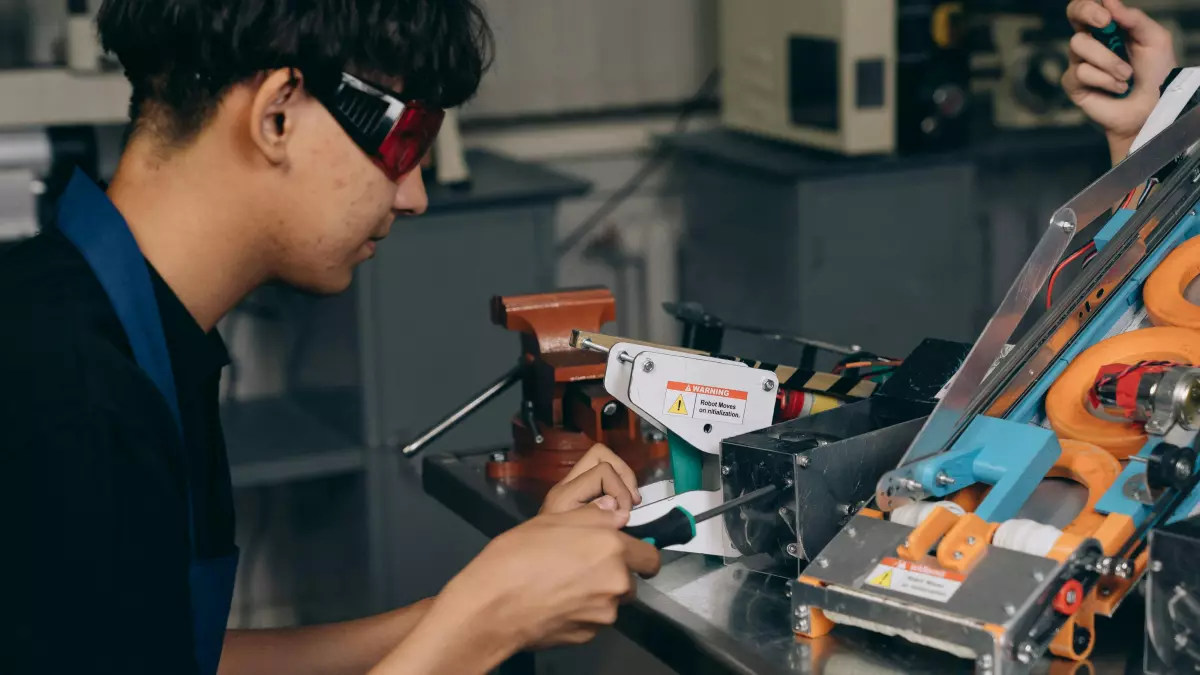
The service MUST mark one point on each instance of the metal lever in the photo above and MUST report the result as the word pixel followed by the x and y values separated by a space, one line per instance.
pixel 450 421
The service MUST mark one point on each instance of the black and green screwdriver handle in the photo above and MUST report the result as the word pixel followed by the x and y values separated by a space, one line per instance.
pixel 1116 39
pixel 678 526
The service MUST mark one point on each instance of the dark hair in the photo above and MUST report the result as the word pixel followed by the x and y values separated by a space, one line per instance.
pixel 181 56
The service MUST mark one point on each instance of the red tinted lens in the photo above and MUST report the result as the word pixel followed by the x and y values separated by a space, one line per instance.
pixel 409 140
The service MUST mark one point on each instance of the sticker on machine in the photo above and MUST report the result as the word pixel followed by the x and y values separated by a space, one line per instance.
pixel 702 402
pixel 923 581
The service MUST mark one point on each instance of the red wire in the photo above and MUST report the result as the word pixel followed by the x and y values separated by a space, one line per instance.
pixel 1054 277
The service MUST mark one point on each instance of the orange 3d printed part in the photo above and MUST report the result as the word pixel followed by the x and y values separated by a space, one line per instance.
pixel 1066 402
pixel 1164 290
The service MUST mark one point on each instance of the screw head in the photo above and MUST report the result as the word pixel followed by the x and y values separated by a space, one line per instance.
pixel 783 511
pixel 1105 591
pixel 499 457
pixel 851 532
pixel 844 509
pixel 1156 566
pixel 609 409
pixel 1184 468
pixel 985 661
pixel 1009 609
pixel 793 550
pixel 958 555
pixel 725 471
pixel 802 461
pixel 768 385
pixel 1181 640
pixel 1039 577
pixel 788 482
pixel 1025 653
pixel 822 563
pixel 970 541
pixel 802 626
pixel 647 366
pixel 801 611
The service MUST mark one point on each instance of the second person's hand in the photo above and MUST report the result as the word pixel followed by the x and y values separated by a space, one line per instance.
pixel 1096 73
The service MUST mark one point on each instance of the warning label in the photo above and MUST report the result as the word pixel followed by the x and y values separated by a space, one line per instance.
pixel 700 401
pixel 923 581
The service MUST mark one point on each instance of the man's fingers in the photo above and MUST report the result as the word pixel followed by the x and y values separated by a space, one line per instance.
pixel 627 476
pixel 1100 57
pixel 601 480
pixel 1091 76
pixel 601 454
pixel 590 517
pixel 1087 14
pixel 1141 28
pixel 641 558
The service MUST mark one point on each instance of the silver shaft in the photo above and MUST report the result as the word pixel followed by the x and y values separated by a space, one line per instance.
pixel 492 391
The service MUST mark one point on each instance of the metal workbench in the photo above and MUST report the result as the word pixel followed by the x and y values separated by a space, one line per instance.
pixel 701 616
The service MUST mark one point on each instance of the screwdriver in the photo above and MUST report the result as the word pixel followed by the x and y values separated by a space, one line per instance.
pixel 678 526
pixel 1114 37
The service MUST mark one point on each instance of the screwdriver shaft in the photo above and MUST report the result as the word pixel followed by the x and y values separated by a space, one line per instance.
pixel 734 503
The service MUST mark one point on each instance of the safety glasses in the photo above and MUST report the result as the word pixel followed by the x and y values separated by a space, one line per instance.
pixel 395 134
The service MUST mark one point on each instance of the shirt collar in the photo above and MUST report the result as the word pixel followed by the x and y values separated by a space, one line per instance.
pixel 195 353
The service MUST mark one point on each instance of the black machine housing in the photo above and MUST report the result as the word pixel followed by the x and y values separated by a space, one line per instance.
pixel 831 460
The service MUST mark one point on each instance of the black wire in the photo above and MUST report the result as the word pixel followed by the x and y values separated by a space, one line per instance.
pixel 661 153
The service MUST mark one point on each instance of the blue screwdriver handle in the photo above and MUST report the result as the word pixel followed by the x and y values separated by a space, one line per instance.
pixel 1115 38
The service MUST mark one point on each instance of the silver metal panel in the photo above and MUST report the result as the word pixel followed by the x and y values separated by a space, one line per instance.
pixel 999 580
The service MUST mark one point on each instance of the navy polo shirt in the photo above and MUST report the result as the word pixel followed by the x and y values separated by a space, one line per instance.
pixel 95 519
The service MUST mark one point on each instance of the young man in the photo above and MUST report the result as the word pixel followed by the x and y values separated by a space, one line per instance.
pixel 1095 73
pixel 271 140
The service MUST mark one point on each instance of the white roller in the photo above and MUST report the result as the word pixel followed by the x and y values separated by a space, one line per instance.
pixel 914 513
pixel 1026 536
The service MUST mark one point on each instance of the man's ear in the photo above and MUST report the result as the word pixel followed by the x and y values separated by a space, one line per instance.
pixel 273 113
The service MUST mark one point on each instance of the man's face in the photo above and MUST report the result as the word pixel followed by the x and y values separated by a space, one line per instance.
pixel 334 204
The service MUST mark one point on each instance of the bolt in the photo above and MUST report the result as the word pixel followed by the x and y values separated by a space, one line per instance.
pixel 499 457
pixel 851 532
pixel 610 409
pixel 802 462
pixel 1183 469
pixel 647 366
pixel 788 482
pixel 958 555
pixel 1071 597
pixel 802 626
pixel 822 563
pixel 1156 566
pixel 970 541
pixel 944 478
pixel 1039 577
pixel 793 550
pixel 1009 609
pixel 768 385
pixel 1025 653
pixel 801 611
pixel 1124 569
pixel 725 471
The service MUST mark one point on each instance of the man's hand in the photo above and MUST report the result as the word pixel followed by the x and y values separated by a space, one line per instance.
pixel 599 477
pixel 555 580
pixel 1095 71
